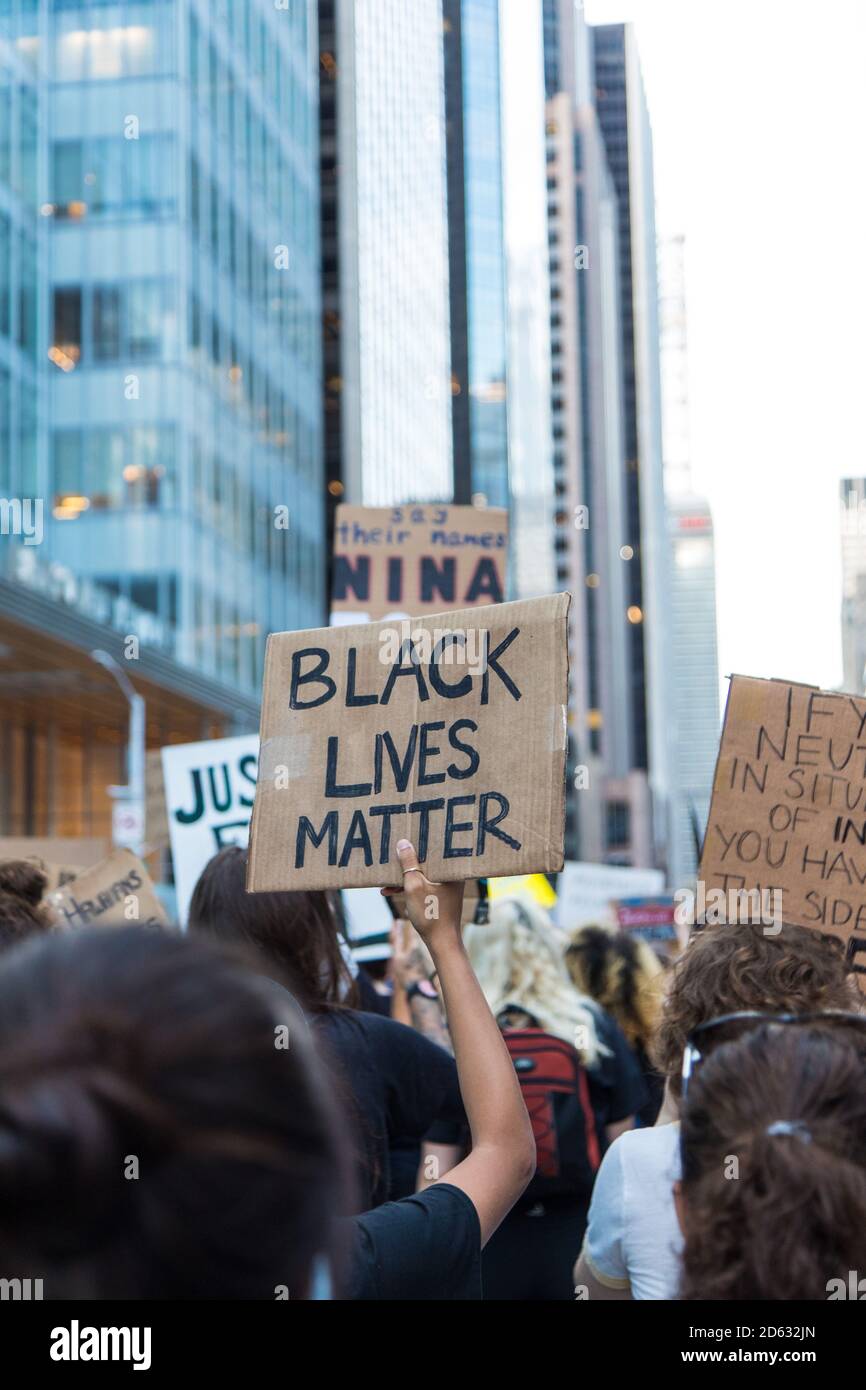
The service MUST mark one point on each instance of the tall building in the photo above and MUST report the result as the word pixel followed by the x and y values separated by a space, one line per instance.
pixel 477 256
pixel 530 440
pixel 852 513
pixel 621 104
pixel 608 806
pixel 694 648
pixel 177 361
pixel 385 252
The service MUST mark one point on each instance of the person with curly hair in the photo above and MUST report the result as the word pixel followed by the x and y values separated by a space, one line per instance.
pixel 787 1105
pixel 22 886
pixel 633 1242
pixel 625 976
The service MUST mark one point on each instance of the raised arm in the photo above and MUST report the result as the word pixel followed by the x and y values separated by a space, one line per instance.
pixel 502 1161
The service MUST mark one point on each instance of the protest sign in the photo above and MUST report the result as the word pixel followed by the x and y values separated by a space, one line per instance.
pixel 651 919
pixel 588 891
pixel 155 818
pixel 117 892
pixel 368 924
pixel 452 737
pixel 209 797
pixel 787 820
pixel 60 860
pixel 408 561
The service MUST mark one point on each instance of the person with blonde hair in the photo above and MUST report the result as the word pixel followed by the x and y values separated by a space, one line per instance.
pixel 581 1085
pixel 625 976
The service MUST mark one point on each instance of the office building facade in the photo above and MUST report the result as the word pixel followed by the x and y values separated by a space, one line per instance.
pixel 177 366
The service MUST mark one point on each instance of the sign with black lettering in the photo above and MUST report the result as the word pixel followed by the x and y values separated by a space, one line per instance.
pixel 209 791
pixel 788 815
pixel 117 892
pixel 409 561
pixel 451 734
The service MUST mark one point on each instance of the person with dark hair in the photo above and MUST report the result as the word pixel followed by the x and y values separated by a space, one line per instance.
pixel 22 885
pixel 166 1130
pixel 165 1127
pixel 772 1201
pixel 633 1244
pixel 624 975
pixel 395 1084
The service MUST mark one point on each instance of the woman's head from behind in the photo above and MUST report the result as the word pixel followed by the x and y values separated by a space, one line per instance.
pixel 773 1195
pixel 164 1131
pixel 518 957
pixel 294 935
pixel 22 885
pixel 726 969
pixel 622 974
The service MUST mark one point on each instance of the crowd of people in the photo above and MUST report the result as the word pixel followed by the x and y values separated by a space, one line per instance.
pixel 510 1110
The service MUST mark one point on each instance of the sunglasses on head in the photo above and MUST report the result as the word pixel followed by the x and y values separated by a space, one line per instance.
pixel 729 1027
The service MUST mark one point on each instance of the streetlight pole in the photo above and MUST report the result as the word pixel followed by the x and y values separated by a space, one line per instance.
pixel 133 794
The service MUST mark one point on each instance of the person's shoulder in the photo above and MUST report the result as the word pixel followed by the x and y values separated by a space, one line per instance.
pixel 658 1146
pixel 427 1245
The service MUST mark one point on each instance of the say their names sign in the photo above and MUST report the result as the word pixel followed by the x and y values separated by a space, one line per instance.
pixel 369 736
pixel 788 811
pixel 416 560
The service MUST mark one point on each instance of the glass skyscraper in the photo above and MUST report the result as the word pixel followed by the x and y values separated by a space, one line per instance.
pixel 185 450
pixel 479 329
pixel 160 375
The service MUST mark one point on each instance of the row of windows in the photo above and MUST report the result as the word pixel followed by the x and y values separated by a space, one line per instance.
pixel 129 40
pixel 247 145
pixel 132 320
pixel 18 137
pixel 113 466
pixel 225 503
pixel 263 275
pixel 17 439
pixel 111 176
pixel 18 295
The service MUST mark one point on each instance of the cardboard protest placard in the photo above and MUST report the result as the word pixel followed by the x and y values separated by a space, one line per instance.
pixel 589 891
pixel 787 819
pixel 209 791
pixel 115 893
pixel 60 860
pixel 410 561
pixel 453 737
pixel 155 818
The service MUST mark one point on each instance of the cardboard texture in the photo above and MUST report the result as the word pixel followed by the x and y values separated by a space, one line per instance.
pixel 368 737
pixel 209 800
pixel 60 860
pixel 416 560
pixel 788 810
pixel 118 892
pixel 155 818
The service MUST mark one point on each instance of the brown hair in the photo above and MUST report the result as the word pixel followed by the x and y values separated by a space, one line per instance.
pixel 727 968
pixel 789 1104
pixel 296 933
pixel 137 1045
pixel 622 974
pixel 22 884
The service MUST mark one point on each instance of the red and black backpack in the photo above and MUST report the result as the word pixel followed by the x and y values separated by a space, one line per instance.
pixel 556 1093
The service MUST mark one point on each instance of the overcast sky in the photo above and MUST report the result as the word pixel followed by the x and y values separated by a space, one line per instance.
pixel 759 117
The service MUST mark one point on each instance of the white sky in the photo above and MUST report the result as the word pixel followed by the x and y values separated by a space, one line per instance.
pixel 759 118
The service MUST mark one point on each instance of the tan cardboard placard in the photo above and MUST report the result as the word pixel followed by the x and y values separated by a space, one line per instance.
pixel 155 815
pixel 417 560
pixel 53 849
pixel 118 892
pixel 453 737
pixel 788 810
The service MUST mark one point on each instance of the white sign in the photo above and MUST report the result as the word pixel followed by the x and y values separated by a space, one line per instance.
pixel 127 824
pixel 368 923
pixel 209 790
pixel 585 891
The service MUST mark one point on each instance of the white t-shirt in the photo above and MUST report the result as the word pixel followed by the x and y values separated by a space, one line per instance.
pixel 633 1238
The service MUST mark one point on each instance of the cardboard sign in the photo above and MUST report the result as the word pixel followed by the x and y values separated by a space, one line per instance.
pixel 119 892
pixel 588 891
pixel 369 737
pixel 788 812
pixel 402 561
pixel 60 860
pixel 209 791
pixel 155 819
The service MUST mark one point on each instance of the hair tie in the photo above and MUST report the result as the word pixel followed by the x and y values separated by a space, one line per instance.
pixel 795 1128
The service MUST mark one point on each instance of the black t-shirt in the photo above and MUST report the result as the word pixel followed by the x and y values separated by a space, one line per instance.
pixel 616 1086
pixel 395 1084
pixel 424 1247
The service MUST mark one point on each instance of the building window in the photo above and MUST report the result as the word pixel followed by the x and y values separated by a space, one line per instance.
pixel 618 825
